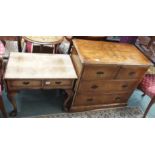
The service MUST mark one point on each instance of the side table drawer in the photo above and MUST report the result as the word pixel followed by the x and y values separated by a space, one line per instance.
pixel 58 83
pixel 24 83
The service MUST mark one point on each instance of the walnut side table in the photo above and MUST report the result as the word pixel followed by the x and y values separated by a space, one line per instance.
pixel 39 71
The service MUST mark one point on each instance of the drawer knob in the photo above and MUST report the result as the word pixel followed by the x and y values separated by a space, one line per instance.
pixel 58 82
pixel 89 99
pixel 100 73
pixel 94 87
pixel 124 86
pixel 132 73
pixel 26 82
pixel 118 98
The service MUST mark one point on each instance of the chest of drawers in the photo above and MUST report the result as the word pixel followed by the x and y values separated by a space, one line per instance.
pixel 107 73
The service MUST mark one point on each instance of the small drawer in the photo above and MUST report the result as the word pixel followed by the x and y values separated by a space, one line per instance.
pixel 97 99
pixel 121 85
pixel 128 72
pixel 57 83
pixel 24 83
pixel 99 72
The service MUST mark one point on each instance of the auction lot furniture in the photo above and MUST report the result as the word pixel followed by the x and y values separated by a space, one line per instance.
pixel 39 71
pixel 53 41
pixel 107 72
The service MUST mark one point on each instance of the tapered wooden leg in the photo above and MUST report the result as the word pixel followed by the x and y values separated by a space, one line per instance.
pixel 149 106
pixel 70 94
pixel 2 108
pixel 11 96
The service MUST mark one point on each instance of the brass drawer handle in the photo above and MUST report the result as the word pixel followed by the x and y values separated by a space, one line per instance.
pixel 26 82
pixel 58 82
pixel 100 73
pixel 132 73
pixel 118 98
pixel 94 87
pixel 89 99
pixel 124 86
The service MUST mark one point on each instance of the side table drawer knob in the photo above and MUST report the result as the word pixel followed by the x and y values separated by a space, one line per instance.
pixel 58 82
pixel 26 82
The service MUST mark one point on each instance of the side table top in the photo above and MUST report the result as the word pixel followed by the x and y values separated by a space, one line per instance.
pixel 39 66
pixel 44 39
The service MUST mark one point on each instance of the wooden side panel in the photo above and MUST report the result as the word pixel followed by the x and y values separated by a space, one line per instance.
pixel 76 61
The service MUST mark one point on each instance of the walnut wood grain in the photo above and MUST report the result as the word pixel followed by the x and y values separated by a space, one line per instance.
pixel 104 67
pixel 97 52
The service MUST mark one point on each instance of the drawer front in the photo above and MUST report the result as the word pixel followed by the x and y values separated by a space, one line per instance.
pixel 24 83
pixel 57 83
pixel 99 72
pixel 96 99
pixel 107 86
pixel 131 72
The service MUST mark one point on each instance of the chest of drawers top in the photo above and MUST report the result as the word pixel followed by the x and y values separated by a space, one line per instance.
pixel 100 52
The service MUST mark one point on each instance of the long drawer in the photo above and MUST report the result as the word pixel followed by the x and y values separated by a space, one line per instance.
pixel 107 86
pixel 96 99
